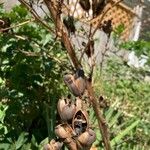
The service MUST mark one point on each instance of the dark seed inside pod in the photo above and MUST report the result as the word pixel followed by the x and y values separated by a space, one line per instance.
pixel 80 122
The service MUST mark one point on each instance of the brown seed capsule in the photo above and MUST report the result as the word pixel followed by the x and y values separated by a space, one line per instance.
pixel 70 82
pixel 107 27
pixel 87 138
pixel 76 83
pixel 66 109
pixel 64 131
pixel 98 6
pixel 85 4
pixel 69 22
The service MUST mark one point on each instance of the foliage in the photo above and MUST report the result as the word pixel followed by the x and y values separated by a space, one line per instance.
pixel 30 71
pixel 3 128
pixel 129 95
pixel 120 129
pixel 140 47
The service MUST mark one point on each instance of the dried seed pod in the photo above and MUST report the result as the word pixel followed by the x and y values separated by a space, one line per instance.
pixel 80 80
pixel 107 27
pixel 66 109
pixel 80 122
pixel 85 4
pixel 98 6
pixel 70 82
pixel 87 138
pixel 76 83
pixel 90 49
pixel 64 131
pixel 69 22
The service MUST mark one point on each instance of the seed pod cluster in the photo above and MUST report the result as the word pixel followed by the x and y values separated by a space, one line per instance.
pixel 74 130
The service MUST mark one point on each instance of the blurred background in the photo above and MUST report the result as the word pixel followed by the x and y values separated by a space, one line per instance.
pixel 33 62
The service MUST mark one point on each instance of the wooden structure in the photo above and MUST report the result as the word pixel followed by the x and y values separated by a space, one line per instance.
pixel 119 14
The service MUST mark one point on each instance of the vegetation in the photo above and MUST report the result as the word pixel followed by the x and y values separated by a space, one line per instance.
pixel 32 63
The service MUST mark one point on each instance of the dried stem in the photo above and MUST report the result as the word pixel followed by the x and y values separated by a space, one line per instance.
pixel 18 25
pixel 104 54
pixel 66 40
pixel 75 8
pixel 101 120
pixel 33 54
pixel 63 34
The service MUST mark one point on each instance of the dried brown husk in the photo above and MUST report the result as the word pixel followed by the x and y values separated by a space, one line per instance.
pixel 64 131
pixel 66 109
pixel 87 138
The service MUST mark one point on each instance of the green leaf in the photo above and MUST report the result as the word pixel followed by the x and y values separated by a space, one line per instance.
pixel 42 143
pixel 34 142
pixel 5 146
pixel 46 39
pixel 26 147
pixel 123 133
pixel 21 140
pixel 114 119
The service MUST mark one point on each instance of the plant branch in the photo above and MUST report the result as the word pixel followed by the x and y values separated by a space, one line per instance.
pixel 18 25
pixel 71 52
pixel 101 120
pixel 36 16
pixel 63 34
pixel 104 54
pixel 33 54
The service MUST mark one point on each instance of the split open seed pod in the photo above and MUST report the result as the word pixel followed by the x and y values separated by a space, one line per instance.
pixel 87 138
pixel 64 131
pixel 80 122
pixel 66 109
